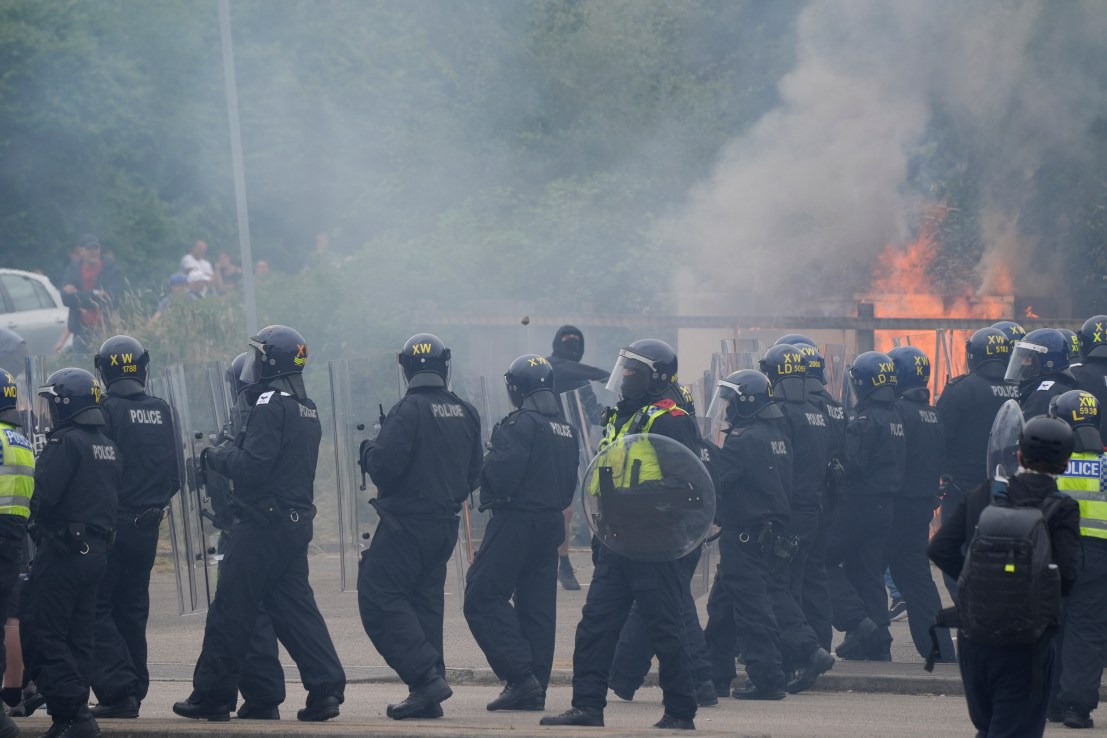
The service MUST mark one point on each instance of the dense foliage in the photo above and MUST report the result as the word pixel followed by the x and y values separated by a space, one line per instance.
pixel 460 154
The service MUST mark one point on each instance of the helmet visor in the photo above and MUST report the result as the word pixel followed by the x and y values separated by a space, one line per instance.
pixel 255 354
pixel 1025 362
pixel 718 412
pixel 631 376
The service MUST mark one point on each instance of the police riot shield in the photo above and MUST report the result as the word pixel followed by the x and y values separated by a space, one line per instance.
pixel 362 391
pixel 1003 442
pixel 648 497
pixel 835 371
pixel 194 536
pixel 583 409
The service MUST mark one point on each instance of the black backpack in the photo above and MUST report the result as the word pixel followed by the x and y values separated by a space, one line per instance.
pixel 1009 591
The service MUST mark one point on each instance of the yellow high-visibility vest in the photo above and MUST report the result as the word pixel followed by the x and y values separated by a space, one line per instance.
pixel 1083 481
pixel 17 472
pixel 635 463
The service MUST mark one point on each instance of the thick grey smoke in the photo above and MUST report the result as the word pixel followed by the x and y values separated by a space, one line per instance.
pixel 825 181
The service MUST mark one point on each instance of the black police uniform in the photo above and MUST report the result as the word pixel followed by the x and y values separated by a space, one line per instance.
pixel 874 464
pixel 1035 394
pixel 77 478
pixel 999 679
pixel 265 562
pixel 913 510
pixel 1091 376
pixel 755 476
pixel 814 596
pixel 528 477
pixel 261 679
pixel 658 589
pixel 141 425
pixel 634 653
pixel 424 462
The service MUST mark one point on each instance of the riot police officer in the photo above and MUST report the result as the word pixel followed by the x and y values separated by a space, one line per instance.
pixel 1091 373
pixel 813 592
pixel 72 514
pixel 645 378
pixel 272 467
pixel 571 374
pixel 17 482
pixel 1083 627
pixel 913 508
pixel 425 462
pixel 141 425
pixel 966 409
pixel 1010 329
pixel 755 477
pixel 811 439
pixel 1040 367
pixel 261 680
pixel 874 467
pixel 528 477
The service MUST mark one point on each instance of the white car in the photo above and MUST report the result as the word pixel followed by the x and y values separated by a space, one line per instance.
pixel 32 307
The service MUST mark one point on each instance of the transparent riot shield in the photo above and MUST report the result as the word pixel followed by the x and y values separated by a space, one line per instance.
pixel 193 535
pixel 362 391
pixel 648 497
pixel 1003 442
pixel 835 371
pixel 583 409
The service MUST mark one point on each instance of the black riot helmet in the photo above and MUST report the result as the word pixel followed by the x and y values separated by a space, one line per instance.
pixel 278 351
pixel 1073 343
pixel 912 368
pixel 1046 444
pixel 786 369
pixel 796 339
pixel 234 374
pixel 73 396
pixel 1080 410
pixel 9 398
pixel 644 369
pixel 1011 329
pixel 528 374
pixel 1041 351
pixel 873 375
pixel 1093 337
pixel 424 353
pixel 122 363
pixel 741 396
pixel 988 351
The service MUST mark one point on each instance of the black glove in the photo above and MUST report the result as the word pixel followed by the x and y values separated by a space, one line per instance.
pixel 362 451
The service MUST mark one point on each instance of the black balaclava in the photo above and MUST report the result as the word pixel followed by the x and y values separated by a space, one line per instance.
pixel 568 343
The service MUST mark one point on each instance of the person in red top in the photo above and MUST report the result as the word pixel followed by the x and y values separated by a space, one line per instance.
pixel 87 290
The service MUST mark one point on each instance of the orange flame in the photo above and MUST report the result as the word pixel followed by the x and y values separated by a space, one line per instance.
pixel 1030 312
pixel 902 286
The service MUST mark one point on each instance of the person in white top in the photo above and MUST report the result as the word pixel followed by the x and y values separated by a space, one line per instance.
pixel 194 261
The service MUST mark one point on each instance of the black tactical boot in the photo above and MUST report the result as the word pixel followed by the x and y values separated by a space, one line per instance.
pixel 250 711
pixel 672 722
pixel 78 726
pixel 706 695
pixel 196 709
pixel 430 692
pixel 1074 718
pixel 855 645
pixel 586 716
pixel 749 691
pixel 819 663
pixel 567 576
pixel 321 709
pixel 525 694
pixel 126 707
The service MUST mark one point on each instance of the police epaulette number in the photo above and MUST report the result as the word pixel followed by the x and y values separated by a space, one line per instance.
pixel 265 397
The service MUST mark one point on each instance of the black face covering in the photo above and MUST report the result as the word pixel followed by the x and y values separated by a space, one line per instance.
pixel 635 384
pixel 572 347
